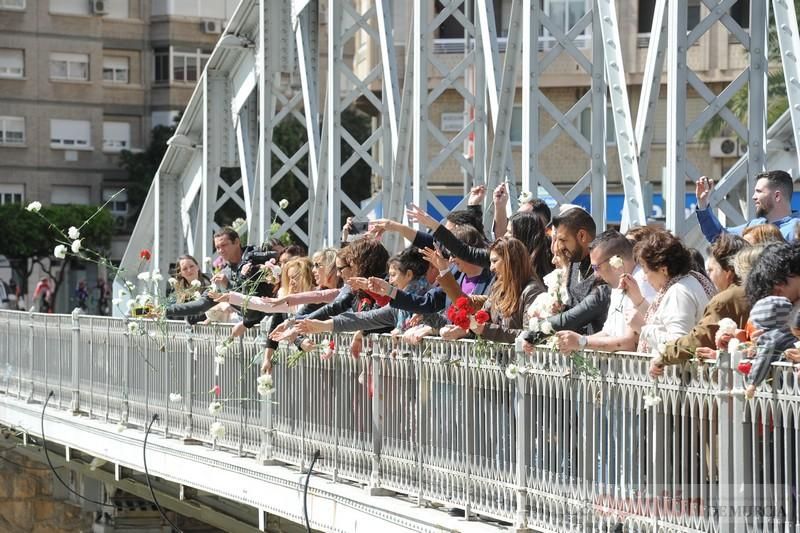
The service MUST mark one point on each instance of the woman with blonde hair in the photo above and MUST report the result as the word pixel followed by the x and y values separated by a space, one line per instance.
pixel 763 233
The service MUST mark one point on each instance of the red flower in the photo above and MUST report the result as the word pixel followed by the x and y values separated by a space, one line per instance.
pixel 216 390
pixel 451 313
pixel 145 254
pixel 482 317
pixel 744 367
pixel 462 302
pixel 461 319
pixel 331 345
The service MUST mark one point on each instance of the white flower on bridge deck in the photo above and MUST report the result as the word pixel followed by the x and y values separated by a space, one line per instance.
pixel 60 251
pixel 265 384
pixel 73 233
pixel 34 207
pixel 121 427
pixel 175 397
pixel 214 407
pixel 217 430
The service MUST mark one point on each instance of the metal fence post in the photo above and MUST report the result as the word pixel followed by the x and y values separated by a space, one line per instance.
pixel 375 488
pixel 124 409
pixel 523 444
pixel 266 433
pixel 75 401
pixel 188 391
pixel 731 446
pixel 29 399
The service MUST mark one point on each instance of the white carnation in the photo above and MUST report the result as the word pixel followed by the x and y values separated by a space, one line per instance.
pixel 217 430
pixel 651 400
pixel 512 371
pixel 196 283
pixel 156 276
pixel 73 233
pixel 283 204
pixel 60 251
pixel 616 262
pixel 547 327
pixel 34 207
pixel 76 246
pixel 726 325
pixel 175 397
pixel 172 281
pixel 219 359
pixel 533 324
pixel 265 384
pixel 214 407
pixel 144 276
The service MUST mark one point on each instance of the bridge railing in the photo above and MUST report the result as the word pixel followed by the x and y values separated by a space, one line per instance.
pixel 552 447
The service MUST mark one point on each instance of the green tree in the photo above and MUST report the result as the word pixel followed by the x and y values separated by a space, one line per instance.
pixel 29 240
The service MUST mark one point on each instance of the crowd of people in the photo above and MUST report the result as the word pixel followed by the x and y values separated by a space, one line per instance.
pixel 534 274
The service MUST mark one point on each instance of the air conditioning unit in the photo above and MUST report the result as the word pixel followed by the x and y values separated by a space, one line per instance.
pixel 212 26
pixel 120 221
pixel 742 147
pixel 724 147
pixel 99 7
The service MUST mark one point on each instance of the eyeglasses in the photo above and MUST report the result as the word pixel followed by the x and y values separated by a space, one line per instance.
pixel 318 265
pixel 603 262
pixel 342 267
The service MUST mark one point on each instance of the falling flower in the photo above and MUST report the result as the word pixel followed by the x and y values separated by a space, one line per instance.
pixel 219 359
pixel 361 378
pixel 206 260
pixel 726 325
pixel 217 430
pixel 34 207
pixel 76 246
pixel 651 400
pixel 616 262
pixel 547 327
pixel 96 463
pixel 512 371
pixel 133 327
pixel 283 204
pixel 172 282
pixel 156 275
pixel 525 197
pixel 196 283
pixel 60 251
pixel 175 397
pixel 214 407
pixel 121 427
pixel 144 276
pixel 215 390
pixel 130 285
pixel 264 384
pixel 145 254
pixel 73 233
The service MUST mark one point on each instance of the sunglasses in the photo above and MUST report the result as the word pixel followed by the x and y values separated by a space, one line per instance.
pixel 597 266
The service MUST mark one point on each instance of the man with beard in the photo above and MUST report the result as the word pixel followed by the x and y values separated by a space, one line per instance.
pixel 773 201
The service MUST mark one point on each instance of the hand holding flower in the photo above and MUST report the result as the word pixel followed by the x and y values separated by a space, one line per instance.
pixel 435 258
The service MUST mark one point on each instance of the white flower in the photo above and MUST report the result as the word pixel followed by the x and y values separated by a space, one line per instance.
pixel 217 430
pixel 116 301
pixel 525 197
pixel 172 281
pixel 73 233
pixel 797 345
pixel 219 359
pixel 76 246
pixel 196 283
pixel 726 325
pixel 206 260
pixel 283 204
pixel 563 295
pixel 121 427
pixel 197 296
pixel 533 324
pixel 264 384
pixel 144 276
pixel 553 279
pixel 733 345
pixel 175 397
pixel 547 327
pixel 60 251
pixel 214 407
pixel 34 207
pixel 133 327
pixel 130 285
pixel 650 400
pixel 156 276
pixel 96 463
pixel 512 371
pixel 616 262
pixel 661 348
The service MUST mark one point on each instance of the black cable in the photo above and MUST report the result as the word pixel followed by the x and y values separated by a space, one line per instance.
pixel 305 489
pixel 147 476
pixel 49 462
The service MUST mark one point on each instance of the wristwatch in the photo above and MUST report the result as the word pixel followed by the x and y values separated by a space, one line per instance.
pixel 582 340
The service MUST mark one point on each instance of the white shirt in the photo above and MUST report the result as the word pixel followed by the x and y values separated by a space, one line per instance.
pixel 621 305
pixel 680 310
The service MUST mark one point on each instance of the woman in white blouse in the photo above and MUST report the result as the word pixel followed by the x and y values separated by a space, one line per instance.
pixel 681 293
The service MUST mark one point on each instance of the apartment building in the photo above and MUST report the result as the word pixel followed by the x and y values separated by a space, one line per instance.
pixel 82 80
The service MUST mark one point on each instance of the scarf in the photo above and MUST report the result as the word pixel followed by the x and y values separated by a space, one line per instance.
pixel 708 288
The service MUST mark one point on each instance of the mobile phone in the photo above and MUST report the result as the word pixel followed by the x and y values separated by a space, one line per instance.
pixel 358 226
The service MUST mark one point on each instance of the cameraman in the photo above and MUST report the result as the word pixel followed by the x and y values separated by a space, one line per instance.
pixel 238 275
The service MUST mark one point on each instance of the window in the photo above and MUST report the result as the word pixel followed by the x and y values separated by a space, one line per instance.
pixel 12 4
pixel 693 15
pixel 119 205
pixel 115 69
pixel 12 130
pixel 163 118
pixel 647 10
pixel 585 124
pixel 162 65
pixel 116 136
pixel 69 66
pixel 70 133
pixel 12 63
pixel 516 125
pixel 117 9
pixel 740 11
pixel 564 13
pixel 70 7
pixel 187 64
pixel 207 9
pixel 11 193
pixel 68 194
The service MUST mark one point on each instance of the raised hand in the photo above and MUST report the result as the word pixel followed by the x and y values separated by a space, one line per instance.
pixel 379 286
pixel 703 189
pixel 435 258
pixel 500 195
pixel 359 284
pixel 476 195
pixel 415 214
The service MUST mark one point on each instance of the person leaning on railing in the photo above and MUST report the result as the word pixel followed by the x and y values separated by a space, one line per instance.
pixel 187 271
pixel 514 289
pixel 681 296
pixel 607 251
pixel 730 302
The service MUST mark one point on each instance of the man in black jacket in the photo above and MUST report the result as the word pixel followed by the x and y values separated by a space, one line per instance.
pixel 589 296
pixel 240 274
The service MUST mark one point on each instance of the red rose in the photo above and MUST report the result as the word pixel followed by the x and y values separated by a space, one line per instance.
pixel 451 313
pixel 744 367
pixel 145 254
pixel 462 302
pixel 482 317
